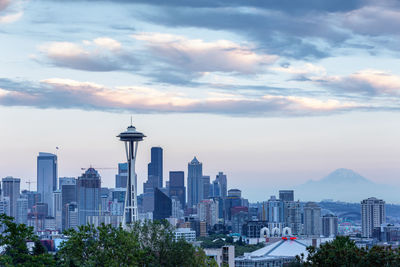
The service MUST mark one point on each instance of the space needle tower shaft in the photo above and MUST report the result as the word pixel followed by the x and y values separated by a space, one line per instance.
pixel 131 138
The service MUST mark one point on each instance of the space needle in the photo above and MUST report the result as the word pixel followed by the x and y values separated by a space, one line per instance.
pixel 131 138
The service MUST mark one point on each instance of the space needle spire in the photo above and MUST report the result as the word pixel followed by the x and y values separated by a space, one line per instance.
pixel 131 138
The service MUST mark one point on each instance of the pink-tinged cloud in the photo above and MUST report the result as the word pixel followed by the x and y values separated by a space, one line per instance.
pixel 4 4
pixel 370 82
pixel 10 11
pixel 62 93
pixel 197 55
pixel 100 54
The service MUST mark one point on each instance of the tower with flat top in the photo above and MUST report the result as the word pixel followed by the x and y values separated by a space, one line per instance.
pixel 131 138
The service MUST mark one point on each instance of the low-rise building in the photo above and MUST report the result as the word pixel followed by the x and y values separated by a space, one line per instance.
pixel 186 233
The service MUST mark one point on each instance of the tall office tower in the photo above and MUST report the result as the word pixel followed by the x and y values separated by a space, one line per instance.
pixel 223 184
pixel 72 216
pixel 32 196
pixel 274 210
pixel 11 187
pixel 329 225
pixel 312 219
pixel 122 176
pixel 207 210
pixel 177 186
pixel 68 195
pixel 373 214
pixel 57 208
pixel 233 199
pixel 155 167
pixel 162 205
pixel 286 195
pixel 177 211
pixel 47 178
pixel 204 188
pixel 131 138
pixel 22 211
pixel 293 216
pixel 195 173
pixel 88 194
pixel 5 206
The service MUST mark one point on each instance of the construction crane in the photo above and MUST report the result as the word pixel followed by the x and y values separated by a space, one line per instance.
pixel 29 184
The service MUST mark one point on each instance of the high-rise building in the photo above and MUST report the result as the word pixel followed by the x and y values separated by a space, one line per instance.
pixel 72 216
pixel 274 210
pixel 207 210
pixel 68 195
pixel 204 187
pixel 222 185
pixel 177 186
pixel 312 219
pixel 292 211
pixel 195 173
pixel 155 167
pixel 373 214
pixel 177 211
pixel 32 197
pixel 162 205
pixel 5 206
pixel 47 178
pixel 22 211
pixel 122 176
pixel 233 199
pixel 88 194
pixel 286 195
pixel 329 225
pixel 11 189
pixel 57 208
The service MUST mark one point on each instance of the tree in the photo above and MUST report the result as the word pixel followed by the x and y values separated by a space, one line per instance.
pixel 14 239
pixel 343 252
pixel 143 244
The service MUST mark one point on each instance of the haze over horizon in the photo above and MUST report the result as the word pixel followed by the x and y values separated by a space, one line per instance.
pixel 272 94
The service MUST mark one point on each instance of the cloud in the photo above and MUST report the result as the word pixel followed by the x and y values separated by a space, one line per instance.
pixel 367 82
pixel 63 94
pixel 100 54
pixel 196 55
pixel 10 11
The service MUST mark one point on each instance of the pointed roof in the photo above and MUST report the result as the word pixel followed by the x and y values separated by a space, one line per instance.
pixel 194 161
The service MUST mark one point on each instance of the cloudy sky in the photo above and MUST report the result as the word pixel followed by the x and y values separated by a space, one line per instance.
pixel 272 93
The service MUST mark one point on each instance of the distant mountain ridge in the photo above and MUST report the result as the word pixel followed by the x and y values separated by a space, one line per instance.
pixel 343 175
pixel 345 185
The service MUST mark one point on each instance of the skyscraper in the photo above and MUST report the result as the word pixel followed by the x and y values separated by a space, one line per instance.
pixel 162 205
pixel 88 187
pixel 177 186
pixel 329 225
pixel 204 188
pixel 195 173
pixel 274 210
pixel 11 187
pixel 223 184
pixel 47 178
pixel 22 211
pixel 155 167
pixel 68 195
pixel 286 195
pixel 312 219
pixel 122 176
pixel 373 214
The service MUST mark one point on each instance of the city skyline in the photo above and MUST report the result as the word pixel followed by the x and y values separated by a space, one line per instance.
pixel 310 95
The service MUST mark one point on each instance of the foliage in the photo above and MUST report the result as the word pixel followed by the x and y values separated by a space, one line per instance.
pixel 144 244
pixel 14 241
pixel 343 252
